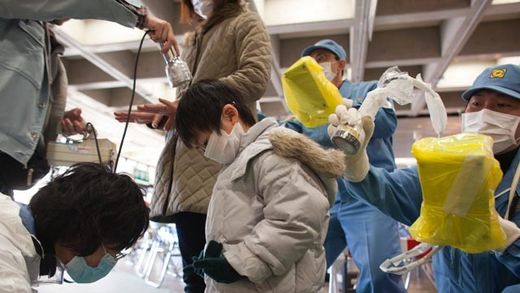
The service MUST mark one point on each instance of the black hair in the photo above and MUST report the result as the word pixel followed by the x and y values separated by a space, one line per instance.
pixel 200 109
pixel 88 206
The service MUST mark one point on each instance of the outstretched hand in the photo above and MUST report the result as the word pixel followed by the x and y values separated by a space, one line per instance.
pixel 345 115
pixel 152 114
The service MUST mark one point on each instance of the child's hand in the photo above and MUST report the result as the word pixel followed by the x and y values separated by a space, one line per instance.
pixel 215 265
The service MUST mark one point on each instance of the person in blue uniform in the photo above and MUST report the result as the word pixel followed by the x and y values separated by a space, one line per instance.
pixel 371 236
pixel 493 109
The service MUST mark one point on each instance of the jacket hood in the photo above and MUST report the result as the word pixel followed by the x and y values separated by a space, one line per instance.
pixel 290 144
pixel 326 163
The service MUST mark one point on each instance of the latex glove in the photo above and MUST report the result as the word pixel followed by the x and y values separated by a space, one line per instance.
pixel 512 233
pixel 334 118
pixel 72 122
pixel 357 164
pixel 215 265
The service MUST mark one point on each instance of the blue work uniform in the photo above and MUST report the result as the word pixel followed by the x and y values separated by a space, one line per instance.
pixel 398 194
pixel 372 236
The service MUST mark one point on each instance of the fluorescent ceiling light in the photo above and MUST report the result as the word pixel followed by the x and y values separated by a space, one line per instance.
pixel 509 60
pixel 279 12
pixel 462 75
pixel 499 2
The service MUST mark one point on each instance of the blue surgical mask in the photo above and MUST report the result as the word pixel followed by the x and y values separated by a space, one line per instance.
pixel 81 272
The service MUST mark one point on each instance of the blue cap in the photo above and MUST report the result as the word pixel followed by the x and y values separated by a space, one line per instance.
pixel 501 78
pixel 329 45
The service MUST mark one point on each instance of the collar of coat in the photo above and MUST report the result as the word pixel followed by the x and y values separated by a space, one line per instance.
pixel 326 163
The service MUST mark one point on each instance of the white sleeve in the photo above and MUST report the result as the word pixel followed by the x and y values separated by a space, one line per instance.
pixel 14 277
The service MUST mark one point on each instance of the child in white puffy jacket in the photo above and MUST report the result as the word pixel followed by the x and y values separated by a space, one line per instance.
pixel 268 213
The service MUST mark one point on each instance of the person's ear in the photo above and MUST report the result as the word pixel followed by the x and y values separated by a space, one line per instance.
pixel 230 113
pixel 342 64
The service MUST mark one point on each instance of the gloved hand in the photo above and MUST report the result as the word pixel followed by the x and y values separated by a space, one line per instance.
pixel 218 268
pixel 213 249
pixel 215 265
pixel 357 164
pixel 512 233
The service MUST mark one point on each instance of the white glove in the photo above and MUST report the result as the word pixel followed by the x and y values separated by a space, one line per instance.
pixel 357 164
pixel 512 233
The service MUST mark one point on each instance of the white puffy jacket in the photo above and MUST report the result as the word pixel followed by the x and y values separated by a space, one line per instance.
pixel 18 258
pixel 269 209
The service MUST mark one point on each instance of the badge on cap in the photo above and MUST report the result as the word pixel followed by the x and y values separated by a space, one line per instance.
pixel 498 73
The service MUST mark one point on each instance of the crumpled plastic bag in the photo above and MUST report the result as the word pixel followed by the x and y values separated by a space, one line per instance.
pixel 310 96
pixel 458 176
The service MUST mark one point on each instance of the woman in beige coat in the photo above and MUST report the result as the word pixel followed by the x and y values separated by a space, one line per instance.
pixel 231 45
pixel 268 213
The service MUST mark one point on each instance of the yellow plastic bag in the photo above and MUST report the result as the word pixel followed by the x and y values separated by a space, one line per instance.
pixel 458 177
pixel 310 96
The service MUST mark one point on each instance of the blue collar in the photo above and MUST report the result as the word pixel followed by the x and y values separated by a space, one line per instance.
pixel 346 89
pixel 27 218
pixel 507 180
pixel 509 174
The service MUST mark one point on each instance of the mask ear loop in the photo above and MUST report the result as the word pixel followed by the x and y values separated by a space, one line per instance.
pixel 512 191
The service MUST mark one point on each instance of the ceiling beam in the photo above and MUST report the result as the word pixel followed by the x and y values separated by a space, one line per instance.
pixel 148 45
pixel 276 72
pixel 102 64
pixel 407 19
pixel 341 24
pixel 360 34
pixel 454 35
pixel 381 22
pixel 400 62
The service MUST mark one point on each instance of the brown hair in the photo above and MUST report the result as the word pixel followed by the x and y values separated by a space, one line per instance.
pixel 187 11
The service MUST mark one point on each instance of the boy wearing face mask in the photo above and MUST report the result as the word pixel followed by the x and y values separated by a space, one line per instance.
pixel 493 109
pixel 229 43
pixel 79 222
pixel 268 213
pixel 371 236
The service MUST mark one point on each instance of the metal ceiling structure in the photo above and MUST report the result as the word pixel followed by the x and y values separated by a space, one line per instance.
pixel 427 37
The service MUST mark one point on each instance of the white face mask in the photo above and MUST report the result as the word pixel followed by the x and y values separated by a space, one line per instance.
pixel 327 70
pixel 501 127
pixel 204 8
pixel 224 148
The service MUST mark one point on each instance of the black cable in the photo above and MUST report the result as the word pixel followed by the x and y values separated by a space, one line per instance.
pixel 131 101
pixel 96 140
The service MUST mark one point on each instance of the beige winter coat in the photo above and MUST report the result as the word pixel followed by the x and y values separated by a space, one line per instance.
pixel 269 209
pixel 236 50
